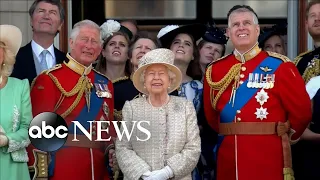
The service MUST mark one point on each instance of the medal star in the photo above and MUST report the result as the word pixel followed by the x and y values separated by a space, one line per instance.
pixel 262 97
pixel 261 113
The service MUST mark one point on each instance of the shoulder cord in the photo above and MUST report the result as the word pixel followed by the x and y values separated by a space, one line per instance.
pixel 311 72
pixel 82 86
pixel 223 83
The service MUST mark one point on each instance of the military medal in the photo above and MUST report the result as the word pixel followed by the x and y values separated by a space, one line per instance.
pixel 311 63
pixel 261 113
pixel 261 82
pixel 250 80
pixel 88 93
pixel 273 76
pixel 106 109
pixel 102 90
pixel 262 97
pixel 270 83
pixel 98 90
pixel 256 81
pixel 107 92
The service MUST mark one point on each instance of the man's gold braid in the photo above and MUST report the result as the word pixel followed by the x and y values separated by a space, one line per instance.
pixel 223 83
pixel 82 85
pixel 74 104
pixel 311 72
pixel 74 90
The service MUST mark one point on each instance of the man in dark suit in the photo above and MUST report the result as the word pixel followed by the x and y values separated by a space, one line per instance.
pixel 47 17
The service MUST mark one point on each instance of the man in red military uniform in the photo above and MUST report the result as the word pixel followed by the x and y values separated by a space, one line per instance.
pixel 75 91
pixel 258 104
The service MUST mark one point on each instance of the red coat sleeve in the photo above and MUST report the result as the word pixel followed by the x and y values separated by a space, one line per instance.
pixel 211 115
pixel 42 100
pixel 294 98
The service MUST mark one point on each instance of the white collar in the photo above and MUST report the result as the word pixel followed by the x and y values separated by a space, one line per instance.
pixel 37 49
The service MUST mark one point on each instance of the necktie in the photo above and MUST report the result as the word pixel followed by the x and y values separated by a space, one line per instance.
pixel 43 61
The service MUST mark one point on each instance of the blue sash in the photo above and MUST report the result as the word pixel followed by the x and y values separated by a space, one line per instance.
pixel 244 94
pixel 95 106
pixel 84 116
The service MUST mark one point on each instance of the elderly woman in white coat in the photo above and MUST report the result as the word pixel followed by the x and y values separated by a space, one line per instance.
pixel 173 149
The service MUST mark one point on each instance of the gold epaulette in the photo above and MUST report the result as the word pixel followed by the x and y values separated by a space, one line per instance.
pixel 301 54
pixel 214 61
pixel 79 89
pixel 279 56
pixel 58 66
pixel 297 59
pixel 311 71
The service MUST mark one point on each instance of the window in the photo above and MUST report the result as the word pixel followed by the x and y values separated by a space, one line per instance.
pixel 265 9
pixel 150 9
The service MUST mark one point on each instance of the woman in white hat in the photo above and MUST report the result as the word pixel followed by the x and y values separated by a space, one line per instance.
pixel 173 149
pixel 182 41
pixel 15 109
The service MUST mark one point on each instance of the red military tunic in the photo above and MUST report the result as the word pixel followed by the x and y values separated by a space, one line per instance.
pixel 73 162
pixel 256 157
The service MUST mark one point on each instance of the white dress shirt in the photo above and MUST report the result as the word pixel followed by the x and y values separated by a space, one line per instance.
pixel 313 86
pixel 50 57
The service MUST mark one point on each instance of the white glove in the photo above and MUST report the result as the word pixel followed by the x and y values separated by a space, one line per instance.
pixel 148 175
pixel 3 140
pixel 163 174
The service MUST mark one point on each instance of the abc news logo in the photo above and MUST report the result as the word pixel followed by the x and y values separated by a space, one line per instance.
pixel 49 132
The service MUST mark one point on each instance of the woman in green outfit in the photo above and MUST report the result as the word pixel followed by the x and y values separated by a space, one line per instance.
pixel 15 110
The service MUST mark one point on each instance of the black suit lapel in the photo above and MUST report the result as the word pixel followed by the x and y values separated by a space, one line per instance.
pixel 60 56
pixel 30 66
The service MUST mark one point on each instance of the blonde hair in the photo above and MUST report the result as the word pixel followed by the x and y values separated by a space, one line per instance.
pixel 8 61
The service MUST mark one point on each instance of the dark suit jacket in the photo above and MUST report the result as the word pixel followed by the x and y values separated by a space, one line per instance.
pixel 25 68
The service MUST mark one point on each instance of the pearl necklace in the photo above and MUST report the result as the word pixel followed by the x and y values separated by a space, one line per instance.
pixel 0 79
pixel 167 100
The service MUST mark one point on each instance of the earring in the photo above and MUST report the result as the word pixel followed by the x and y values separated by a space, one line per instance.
pixel 3 64
pixel 169 87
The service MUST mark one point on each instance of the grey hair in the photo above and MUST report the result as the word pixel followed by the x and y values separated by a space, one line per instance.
pixel 85 23
pixel 255 18
pixel 172 76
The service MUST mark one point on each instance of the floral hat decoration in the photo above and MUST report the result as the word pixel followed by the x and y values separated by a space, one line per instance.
pixel 111 26
pixel 108 28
